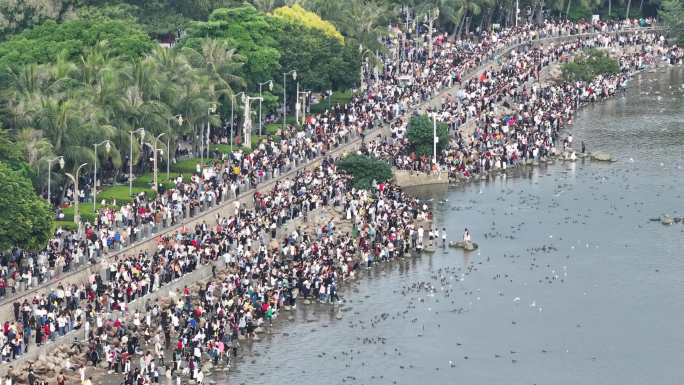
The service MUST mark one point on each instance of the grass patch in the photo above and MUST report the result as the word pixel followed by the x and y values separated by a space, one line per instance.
pixel 225 148
pixel 120 194
pixel 85 210
pixel 66 225
pixel 187 166
pixel 340 97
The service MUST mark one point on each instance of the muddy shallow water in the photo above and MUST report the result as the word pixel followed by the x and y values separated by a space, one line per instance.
pixel 572 284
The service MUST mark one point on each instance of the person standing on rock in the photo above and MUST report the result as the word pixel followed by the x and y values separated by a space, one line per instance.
pixel 31 376
pixel 60 379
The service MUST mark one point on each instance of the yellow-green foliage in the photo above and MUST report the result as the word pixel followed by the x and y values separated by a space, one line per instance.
pixel 297 14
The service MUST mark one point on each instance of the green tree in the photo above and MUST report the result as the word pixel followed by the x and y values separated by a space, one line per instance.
pixel 420 135
pixel 587 66
pixel 44 43
pixel 364 170
pixel 26 221
pixel 17 15
pixel 672 12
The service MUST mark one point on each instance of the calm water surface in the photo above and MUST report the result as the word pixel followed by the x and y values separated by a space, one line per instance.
pixel 572 283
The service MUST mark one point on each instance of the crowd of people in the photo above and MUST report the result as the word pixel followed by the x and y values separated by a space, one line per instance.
pixel 262 278
pixel 506 116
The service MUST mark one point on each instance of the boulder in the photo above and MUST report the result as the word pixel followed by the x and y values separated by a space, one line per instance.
pixel 602 156
pixel 467 246
pixel 666 220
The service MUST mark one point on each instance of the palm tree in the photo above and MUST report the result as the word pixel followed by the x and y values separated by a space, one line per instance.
pixel 219 62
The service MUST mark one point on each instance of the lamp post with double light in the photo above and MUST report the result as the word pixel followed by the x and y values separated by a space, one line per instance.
pixel 140 131
pixel 247 121
pixel 205 143
pixel 156 148
pixel 270 88
pixel 108 147
pixel 59 159
pixel 74 179
pixel 301 106
pixel 294 77
pixel 232 115
pixel 429 20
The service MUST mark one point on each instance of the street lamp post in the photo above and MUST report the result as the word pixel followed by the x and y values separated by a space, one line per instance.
pixel 294 77
pixel 210 110
pixel 270 88
pixel 435 139
pixel 301 106
pixel 108 147
pixel 156 169
pixel 141 131
pixel 232 117
pixel 60 159
pixel 247 122
pixel 430 18
pixel 168 157
pixel 74 179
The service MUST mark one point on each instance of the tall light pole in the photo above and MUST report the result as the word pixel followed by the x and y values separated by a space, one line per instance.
pixel 364 54
pixel 168 157
pixel 294 77
pixel 247 121
pixel 232 116
pixel 155 148
pixel 435 139
pixel 141 131
pixel 60 159
pixel 210 110
pixel 108 147
pixel 270 88
pixel 74 179
pixel 301 106
pixel 430 18
pixel 179 120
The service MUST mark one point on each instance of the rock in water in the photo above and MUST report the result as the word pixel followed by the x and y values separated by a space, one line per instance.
pixel 467 246
pixel 666 220
pixel 602 156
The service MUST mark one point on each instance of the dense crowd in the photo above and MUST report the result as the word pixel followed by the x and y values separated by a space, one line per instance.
pixel 263 278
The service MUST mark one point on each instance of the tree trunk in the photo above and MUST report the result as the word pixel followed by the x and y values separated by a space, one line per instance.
pixel 629 4
pixel 460 25
pixel 489 17
pixel 641 6
pixel 539 16
pixel 610 7
pixel 567 10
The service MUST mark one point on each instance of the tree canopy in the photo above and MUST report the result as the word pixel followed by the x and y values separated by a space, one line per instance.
pixel 364 170
pixel 26 221
pixel 273 45
pixel 589 65
pixel 297 14
pixel 673 15
pixel 420 135
pixel 44 43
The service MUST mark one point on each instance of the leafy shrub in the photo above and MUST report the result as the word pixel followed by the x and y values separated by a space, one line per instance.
pixel 365 170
